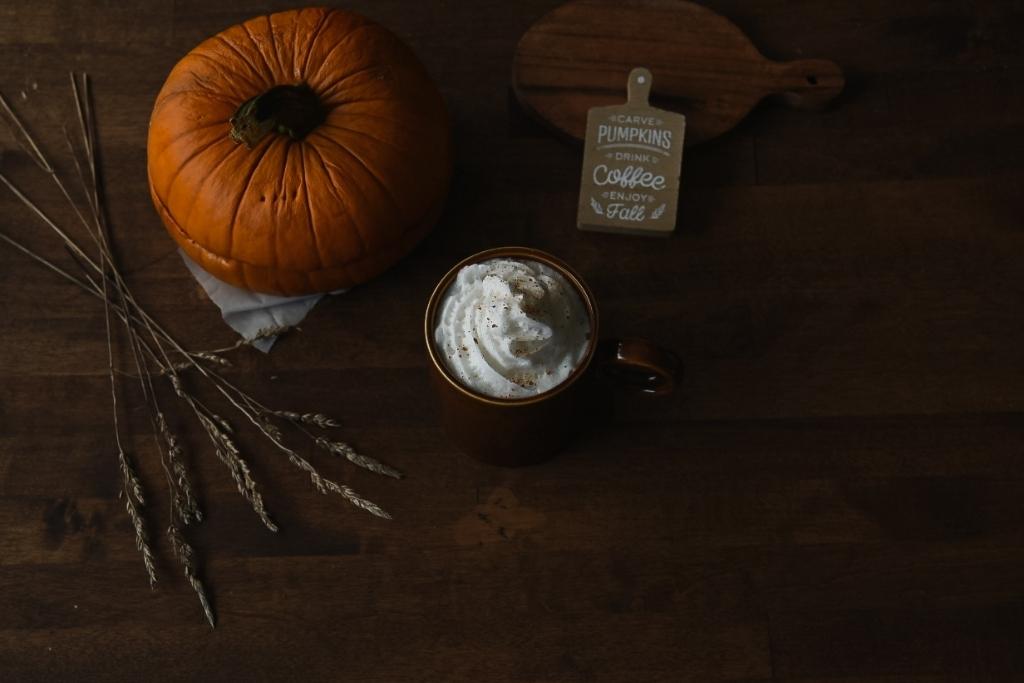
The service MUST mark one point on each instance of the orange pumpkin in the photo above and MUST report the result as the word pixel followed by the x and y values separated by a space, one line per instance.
pixel 299 152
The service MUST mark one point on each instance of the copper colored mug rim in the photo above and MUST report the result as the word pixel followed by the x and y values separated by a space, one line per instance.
pixel 527 253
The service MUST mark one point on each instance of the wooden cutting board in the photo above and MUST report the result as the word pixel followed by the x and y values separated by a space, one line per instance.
pixel 579 56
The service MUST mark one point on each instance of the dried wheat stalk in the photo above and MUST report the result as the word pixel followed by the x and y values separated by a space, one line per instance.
pixel 185 503
pixel 132 492
pixel 186 556
pixel 264 333
pixel 171 457
pixel 156 353
pixel 315 419
pixel 132 487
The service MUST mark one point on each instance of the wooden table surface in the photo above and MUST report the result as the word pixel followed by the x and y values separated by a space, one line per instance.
pixel 835 493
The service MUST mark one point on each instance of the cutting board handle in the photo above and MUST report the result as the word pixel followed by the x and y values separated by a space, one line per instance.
pixel 809 84
pixel 638 90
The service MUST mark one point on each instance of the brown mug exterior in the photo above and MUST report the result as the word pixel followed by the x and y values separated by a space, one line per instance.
pixel 525 431
pixel 510 437
pixel 510 432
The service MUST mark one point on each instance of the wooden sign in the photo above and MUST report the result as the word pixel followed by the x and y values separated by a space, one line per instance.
pixel 631 162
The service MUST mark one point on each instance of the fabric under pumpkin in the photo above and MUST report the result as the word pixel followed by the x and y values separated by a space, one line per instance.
pixel 299 211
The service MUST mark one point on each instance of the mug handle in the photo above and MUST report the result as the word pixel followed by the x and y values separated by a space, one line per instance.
pixel 640 364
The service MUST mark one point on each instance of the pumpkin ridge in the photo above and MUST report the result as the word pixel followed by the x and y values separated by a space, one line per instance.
pixel 340 43
pixel 261 81
pixel 295 45
pixel 363 100
pixel 273 47
pixel 370 172
pixel 326 93
pixel 187 161
pixel 309 207
pixel 241 195
pixel 343 201
pixel 256 46
pixel 429 216
pixel 395 122
pixel 312 42
pixel 190 131
pixel 248 84
pixel 199 189
pixel 194 88
pixel 388 143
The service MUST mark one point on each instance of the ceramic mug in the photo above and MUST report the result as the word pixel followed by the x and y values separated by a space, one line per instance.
pixel 523 431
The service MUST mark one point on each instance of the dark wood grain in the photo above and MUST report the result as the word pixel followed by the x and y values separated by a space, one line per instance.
pixel 579 56
pixel 834 494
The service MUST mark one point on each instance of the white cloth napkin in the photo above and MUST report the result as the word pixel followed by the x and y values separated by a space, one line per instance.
pixel 247 313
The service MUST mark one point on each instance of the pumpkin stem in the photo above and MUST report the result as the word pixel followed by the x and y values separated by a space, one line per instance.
pixel 292 110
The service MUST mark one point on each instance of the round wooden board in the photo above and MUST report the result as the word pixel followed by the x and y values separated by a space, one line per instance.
pixel 579 56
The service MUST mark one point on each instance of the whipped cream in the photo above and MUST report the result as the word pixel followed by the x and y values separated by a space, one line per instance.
pixel 511 328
